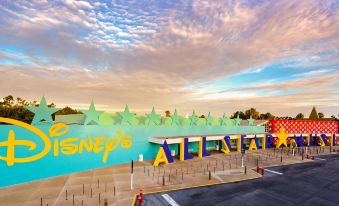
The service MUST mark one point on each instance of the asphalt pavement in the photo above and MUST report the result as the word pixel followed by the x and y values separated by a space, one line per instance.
pixel 314 183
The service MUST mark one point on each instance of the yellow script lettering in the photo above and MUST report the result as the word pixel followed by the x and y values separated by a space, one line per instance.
pixel 83 143
pixel 99 144
pixel 111 144
pixel 68 147
pixel 11 143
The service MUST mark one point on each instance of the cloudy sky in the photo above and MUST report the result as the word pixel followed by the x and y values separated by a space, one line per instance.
pixel 220 56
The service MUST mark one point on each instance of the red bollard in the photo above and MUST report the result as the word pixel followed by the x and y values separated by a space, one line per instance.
pixel 140 198
pixel 312 157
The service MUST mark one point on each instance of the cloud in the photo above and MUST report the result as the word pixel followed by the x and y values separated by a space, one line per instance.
pixel 78 4
pixel 150 53
pixel 110 89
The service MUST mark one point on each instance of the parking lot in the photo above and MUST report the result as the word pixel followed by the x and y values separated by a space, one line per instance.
pixel 312 183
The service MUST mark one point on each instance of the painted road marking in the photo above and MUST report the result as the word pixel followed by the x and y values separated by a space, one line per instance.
pixel 278 173
pixel 170 200
pixel 319 158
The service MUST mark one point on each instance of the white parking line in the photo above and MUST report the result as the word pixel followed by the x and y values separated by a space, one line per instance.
pixel 278 173
pixel 319 158
pixel 170 200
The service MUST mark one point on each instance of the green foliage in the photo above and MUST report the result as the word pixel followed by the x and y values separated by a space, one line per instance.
pixel 15 109
pixel 65 110
pixel 167 113
pixel 314 114
pixel 321 115
pixel 299 116
pixel 266 116
pixel 16 112
pixel 240 113
pixel 333 117
pixel 251 113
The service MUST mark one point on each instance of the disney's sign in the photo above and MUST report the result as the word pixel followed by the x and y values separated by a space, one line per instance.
pixel 65 146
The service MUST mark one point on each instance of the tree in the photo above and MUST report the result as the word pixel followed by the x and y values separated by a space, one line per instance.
pixel 21 102
pixel 321 115
pixel 15 109
pixel 202 116
pixel 334 118
pixel 8 101
pixel 240 113
pixel 52 105
pixel 66 110
pixel 266 116
pixel 251 113
pixel 299 116
pixel 314 114
pixel 167 113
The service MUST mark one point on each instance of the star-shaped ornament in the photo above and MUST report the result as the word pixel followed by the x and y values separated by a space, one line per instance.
pixel 153 118
pixel 250 121
pixel 42 112
pixel 209 119
pixel 237 121
pixel 194 119
pixel 175 118
pixel 92 115
pixel 223 120
pixel 282 136
pixel 126 116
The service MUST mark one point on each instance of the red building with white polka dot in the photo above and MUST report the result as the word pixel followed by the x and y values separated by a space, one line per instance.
pixel 303 126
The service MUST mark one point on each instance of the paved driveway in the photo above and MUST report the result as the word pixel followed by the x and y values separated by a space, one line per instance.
pixel 314 183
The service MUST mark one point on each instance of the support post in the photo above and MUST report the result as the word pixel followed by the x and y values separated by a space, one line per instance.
pixel 132 175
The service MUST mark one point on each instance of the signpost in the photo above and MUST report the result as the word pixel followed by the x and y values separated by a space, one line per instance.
pixel 242 155
pixel 132 175
pixel 294 145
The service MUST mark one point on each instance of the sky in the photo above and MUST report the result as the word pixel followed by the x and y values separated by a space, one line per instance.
pixel 211 56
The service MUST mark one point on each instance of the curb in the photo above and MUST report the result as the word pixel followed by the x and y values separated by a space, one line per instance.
pixel 190 187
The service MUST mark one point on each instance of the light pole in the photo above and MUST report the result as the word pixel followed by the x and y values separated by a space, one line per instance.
pixel 242 155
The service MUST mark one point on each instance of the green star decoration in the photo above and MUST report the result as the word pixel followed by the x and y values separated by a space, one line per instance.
pixel 175 118
pixel 42 112
pixel 237 121
pixel 223 120
pixel 209 119
pixel 126 116
pixel 153 118
pixel 91 114
pixel 194 118
pixel 250 121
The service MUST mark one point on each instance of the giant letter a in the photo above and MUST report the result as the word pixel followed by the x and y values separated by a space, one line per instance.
pixel 164 155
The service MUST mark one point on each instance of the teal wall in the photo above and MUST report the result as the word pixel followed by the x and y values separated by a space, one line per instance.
pixel 50 166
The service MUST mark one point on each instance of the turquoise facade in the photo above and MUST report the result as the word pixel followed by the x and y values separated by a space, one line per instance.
pixel 51 165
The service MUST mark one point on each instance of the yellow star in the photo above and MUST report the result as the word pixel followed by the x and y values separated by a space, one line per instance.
pixel 282 137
